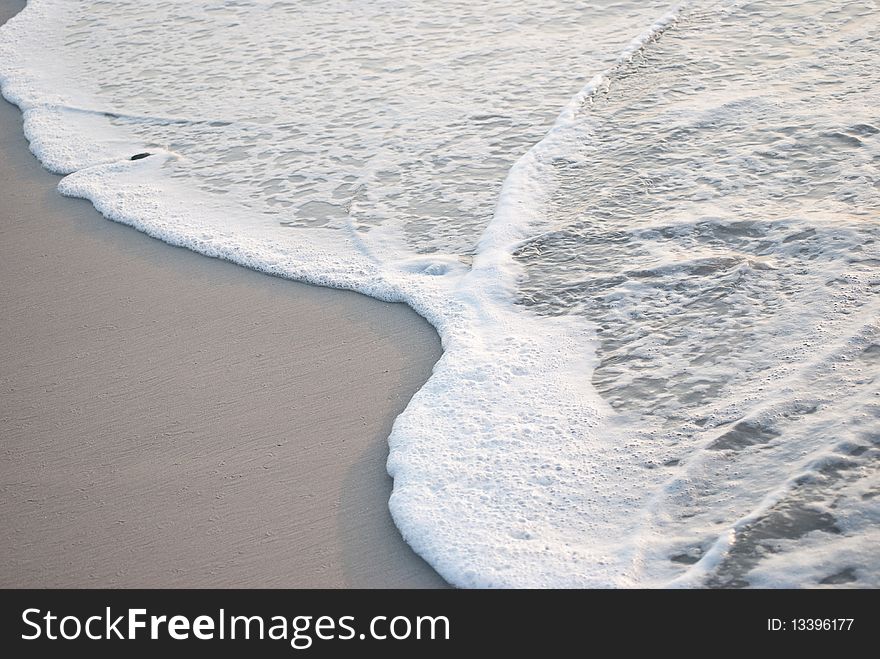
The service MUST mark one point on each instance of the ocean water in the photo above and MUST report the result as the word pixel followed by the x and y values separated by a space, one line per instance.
pixel 646 233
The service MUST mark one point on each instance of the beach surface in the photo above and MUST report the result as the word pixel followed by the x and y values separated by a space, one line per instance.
pixel 170 420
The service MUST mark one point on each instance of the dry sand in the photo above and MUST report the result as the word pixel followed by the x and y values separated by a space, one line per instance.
pixel 171 420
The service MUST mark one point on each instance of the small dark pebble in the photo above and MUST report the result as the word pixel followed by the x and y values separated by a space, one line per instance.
pixel 139 156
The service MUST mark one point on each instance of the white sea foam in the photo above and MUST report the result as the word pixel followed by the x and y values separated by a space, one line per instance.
pixel 658 307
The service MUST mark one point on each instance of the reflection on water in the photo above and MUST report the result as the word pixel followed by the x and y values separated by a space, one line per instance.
pixel 718 223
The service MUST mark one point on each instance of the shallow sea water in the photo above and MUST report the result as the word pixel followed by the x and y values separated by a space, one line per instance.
pixel 657 288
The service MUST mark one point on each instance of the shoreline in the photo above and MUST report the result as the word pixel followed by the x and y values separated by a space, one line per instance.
pixel 172 420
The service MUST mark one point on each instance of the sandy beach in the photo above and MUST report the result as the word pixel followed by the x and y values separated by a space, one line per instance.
pixel 170 420
pixel 637 254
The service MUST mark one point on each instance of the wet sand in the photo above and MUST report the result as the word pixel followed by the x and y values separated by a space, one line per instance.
pixel 170 420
